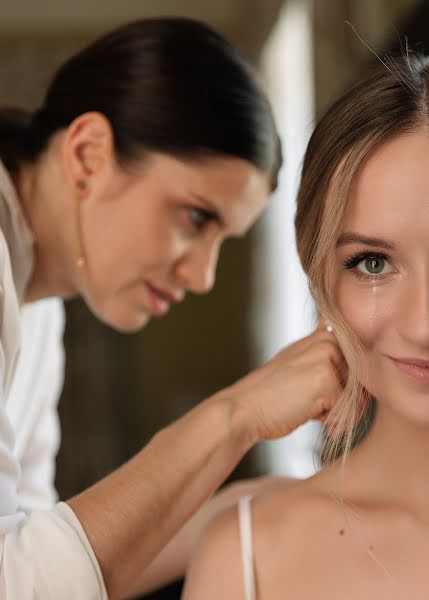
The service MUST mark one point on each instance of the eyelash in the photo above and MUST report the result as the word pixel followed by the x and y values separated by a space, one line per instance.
pixel 352 262
pixel 204 217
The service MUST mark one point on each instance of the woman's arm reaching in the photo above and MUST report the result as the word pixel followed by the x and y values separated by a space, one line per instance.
pixel 132 514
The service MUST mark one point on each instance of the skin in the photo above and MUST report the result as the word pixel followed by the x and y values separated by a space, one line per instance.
pixel 307 543
pixel 175 213
pixel 159 223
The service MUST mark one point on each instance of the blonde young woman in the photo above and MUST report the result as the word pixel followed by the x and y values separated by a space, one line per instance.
pixel 360 527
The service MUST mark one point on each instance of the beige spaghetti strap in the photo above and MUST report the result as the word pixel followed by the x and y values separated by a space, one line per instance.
pixel 246 540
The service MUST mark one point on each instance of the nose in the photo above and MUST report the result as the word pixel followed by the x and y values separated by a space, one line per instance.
pixel 414 311
pixel 196 270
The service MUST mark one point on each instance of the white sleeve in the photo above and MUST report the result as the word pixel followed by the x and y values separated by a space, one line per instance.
pixel 33 400
pixel 45 555
pixel 48 557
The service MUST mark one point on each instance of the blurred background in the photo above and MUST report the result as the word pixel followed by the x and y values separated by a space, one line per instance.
pixel 120 389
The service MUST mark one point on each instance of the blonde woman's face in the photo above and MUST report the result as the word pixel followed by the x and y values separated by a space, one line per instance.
pixel 382 273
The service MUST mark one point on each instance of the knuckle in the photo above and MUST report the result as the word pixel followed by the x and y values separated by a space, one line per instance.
pixel 325 376
pixel 321 374
pixel 321 404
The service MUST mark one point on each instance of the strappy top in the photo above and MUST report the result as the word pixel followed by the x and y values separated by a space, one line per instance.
pixel 246 542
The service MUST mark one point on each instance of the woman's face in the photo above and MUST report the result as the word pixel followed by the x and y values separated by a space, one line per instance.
pixel 382 273
pixel 153 233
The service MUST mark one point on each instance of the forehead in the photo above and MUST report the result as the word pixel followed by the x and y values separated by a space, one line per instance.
pixel 390 195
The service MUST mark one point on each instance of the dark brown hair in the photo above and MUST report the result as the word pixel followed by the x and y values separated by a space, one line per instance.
pixel 170 85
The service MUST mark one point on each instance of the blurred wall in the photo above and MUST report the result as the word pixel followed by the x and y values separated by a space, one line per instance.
pixel 341 56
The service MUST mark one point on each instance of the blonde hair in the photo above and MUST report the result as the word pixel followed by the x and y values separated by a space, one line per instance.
pixel 390 101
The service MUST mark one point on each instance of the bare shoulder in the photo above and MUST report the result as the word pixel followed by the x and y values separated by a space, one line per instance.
pixel 287 503
pixel 216 567
pixel 293 526
pixel 260 485
pixel 298 529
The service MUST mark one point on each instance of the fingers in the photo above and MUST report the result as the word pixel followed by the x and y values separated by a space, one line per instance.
pixel 323 405
pixel 319 345
pixel 308 373
pixel 325 333
pixel 326 344
pixel 302 345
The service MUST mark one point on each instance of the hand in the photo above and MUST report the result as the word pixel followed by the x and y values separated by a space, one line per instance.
pixel 300 383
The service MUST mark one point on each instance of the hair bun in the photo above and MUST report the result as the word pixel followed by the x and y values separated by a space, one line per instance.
pixel 15 117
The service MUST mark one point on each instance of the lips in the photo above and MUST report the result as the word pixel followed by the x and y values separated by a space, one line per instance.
pixel 417 368
pixel 160 299
pixel 167 295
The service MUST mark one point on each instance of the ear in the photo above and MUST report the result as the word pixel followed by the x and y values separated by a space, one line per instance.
pixel 88 149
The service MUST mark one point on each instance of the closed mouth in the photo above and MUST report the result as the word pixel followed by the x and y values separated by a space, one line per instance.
pixel 416 362
pixel 166 295
pixel 417 368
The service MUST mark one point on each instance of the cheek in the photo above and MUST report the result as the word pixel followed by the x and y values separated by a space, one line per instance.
pixel 126 246
pixel 369 310
pixel 364 308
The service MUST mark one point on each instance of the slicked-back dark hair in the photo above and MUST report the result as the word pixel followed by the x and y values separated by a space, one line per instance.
pixel 170 85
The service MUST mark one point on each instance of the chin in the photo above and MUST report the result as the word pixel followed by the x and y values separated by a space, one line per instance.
pixel 124 321
pixel 411 407
pixel 128 324
pixel 117 312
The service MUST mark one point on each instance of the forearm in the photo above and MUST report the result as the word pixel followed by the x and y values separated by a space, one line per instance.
pixel 131 514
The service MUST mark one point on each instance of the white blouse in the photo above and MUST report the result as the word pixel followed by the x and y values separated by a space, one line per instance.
pixel 44 552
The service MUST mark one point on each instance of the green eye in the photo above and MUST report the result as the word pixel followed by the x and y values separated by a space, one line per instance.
pixel 369 264
pixel 375 264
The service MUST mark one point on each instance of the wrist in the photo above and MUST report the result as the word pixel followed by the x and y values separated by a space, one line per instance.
pixel 221 423
pixel 241 425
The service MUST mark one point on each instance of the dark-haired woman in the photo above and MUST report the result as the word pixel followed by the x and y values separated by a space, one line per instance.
pixel 152 146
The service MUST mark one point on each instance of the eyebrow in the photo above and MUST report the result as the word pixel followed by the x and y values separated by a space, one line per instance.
pixel 356 238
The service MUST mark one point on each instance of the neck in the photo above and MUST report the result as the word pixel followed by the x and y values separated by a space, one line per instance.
pixel 391 465
pixel 47 215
